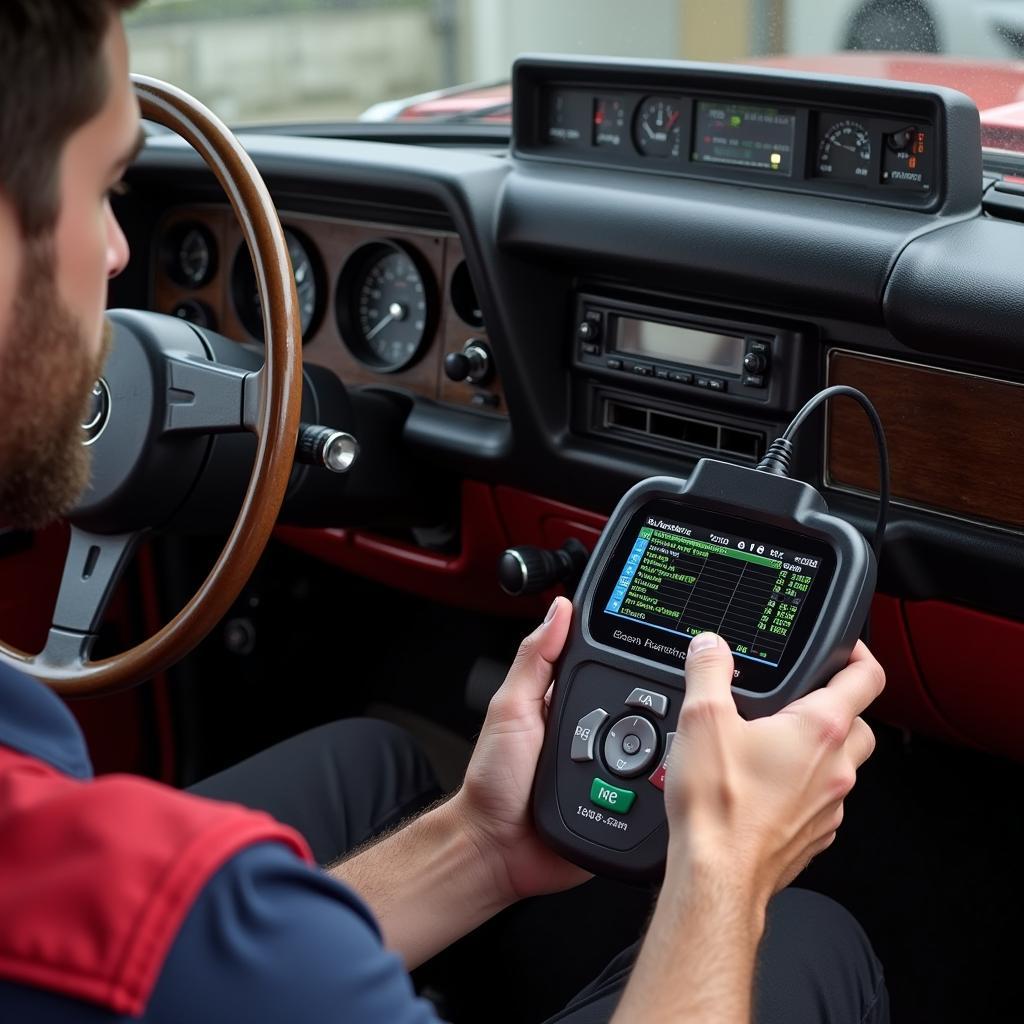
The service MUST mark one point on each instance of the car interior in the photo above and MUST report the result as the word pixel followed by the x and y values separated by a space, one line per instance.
pixel 504 328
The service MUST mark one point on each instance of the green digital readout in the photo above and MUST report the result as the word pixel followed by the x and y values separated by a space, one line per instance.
pixel 687 580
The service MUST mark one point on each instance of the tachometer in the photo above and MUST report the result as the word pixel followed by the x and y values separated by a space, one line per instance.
pixel 308 286
pixel 385 305
pixel 844 152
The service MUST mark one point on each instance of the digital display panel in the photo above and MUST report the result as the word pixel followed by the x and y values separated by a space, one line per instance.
pixel 651 340
pixel 676 574
pixel 741 135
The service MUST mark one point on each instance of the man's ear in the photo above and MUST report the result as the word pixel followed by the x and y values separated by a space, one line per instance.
pixel 12 247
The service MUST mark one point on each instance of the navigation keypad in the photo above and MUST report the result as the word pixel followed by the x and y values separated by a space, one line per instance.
pixel 630 746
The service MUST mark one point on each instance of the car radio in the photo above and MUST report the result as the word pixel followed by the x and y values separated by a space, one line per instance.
pixel 675 349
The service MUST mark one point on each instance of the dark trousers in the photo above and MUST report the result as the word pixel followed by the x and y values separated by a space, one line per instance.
pixel 342 783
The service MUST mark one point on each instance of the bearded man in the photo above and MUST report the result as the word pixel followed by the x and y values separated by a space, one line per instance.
pixel 122 899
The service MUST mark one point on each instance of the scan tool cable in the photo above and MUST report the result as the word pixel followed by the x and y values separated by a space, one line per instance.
pixel 779 456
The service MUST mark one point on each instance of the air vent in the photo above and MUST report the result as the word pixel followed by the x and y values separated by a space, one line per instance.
pixel 633 420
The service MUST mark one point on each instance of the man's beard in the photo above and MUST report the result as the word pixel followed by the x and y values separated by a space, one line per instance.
pixel 46 379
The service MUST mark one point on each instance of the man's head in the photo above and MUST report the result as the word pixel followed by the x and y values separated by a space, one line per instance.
pixel 69 126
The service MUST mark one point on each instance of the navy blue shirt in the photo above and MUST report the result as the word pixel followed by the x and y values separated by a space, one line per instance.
pixel 269 939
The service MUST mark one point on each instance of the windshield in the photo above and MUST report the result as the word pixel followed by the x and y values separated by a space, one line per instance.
pixel 272 61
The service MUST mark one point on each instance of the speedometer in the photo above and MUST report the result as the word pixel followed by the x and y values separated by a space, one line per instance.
pixel 385 305
pixel 844 152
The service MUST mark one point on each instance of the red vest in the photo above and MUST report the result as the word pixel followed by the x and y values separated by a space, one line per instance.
pixel 97 877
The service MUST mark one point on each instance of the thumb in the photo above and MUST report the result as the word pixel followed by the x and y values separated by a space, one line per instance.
pixel 708 672
pixel 531 672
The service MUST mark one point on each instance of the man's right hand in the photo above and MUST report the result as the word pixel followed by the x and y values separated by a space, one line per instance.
pixel 748 804
pixel 761 798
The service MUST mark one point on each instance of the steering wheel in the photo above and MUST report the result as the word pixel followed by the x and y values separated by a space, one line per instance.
pixel 162 396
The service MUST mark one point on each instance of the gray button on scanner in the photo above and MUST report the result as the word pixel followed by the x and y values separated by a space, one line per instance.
pixel 586 733
pixel 656 703
pixel 630 746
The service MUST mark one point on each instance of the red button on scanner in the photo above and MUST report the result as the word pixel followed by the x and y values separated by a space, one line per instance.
pixel 657 777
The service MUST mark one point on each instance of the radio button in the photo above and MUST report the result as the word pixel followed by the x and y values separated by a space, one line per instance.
pixel 586 733
pixel 753 380
pixel 614 364
pixel 760 347
pixel 716 384
pixel 641 371
pixel 661 373
pixel 702 382
pixel 591 350
pixel 754 362
pixel 680 377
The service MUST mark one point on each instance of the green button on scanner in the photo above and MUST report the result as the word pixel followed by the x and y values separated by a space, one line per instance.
pixel 615 799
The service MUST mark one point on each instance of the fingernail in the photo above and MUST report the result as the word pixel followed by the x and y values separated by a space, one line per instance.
pixel 551 611
pixel 703 642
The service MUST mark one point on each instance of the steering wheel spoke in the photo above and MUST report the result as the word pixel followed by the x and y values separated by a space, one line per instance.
pixel 92 570
pixel 210 398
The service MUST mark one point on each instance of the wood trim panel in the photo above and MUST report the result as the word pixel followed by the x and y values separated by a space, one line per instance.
pixel 335 240
pixel 955 439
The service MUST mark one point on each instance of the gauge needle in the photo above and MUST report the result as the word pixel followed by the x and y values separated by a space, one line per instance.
pixel 648 129
pixel 671 121
pixel 381 324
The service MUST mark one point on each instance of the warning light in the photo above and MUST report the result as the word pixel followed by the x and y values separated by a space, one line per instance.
pixel 776 159
pixel 912 162
pixel 735 120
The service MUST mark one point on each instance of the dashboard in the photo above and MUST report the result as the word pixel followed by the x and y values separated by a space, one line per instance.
pixel 665 262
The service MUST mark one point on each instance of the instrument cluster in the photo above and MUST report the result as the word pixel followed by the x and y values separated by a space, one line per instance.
pixel 377 302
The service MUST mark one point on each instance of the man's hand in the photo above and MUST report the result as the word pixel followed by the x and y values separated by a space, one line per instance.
pixel 748 804
pixel 460 863
pixel 494 802
pixel 766 796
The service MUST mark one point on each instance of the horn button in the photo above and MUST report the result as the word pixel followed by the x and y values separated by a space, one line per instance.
pixel 141 474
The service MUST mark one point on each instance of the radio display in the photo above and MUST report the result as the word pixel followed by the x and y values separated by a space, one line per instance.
pixel 651 340
pixel 741 135
pixel 677 572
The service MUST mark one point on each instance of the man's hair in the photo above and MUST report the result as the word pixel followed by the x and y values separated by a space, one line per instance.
pixel 53 79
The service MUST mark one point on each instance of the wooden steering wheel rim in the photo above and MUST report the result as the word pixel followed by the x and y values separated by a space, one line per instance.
pixel 278 421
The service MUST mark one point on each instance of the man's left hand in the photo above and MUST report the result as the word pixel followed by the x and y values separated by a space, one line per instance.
pixel 494 802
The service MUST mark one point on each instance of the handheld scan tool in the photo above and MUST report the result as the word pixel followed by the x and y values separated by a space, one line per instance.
pixel 747 553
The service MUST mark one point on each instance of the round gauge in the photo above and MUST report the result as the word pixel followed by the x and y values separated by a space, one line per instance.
pixel 308 274
pixel 195 312
pixel 385 305
pixel 190 254
pixel 844 152
pixel 656 127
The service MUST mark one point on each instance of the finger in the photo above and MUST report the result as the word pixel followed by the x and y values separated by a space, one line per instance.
pixel 850 691
pixel 860 744
pixel 533 669
pixel 708 672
